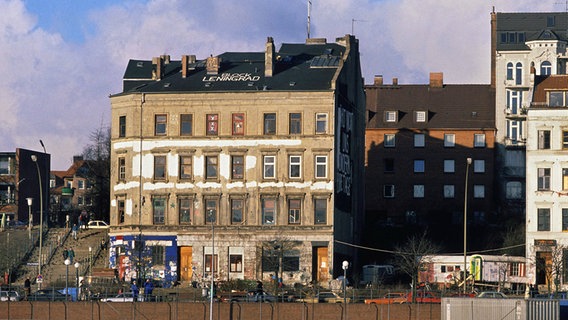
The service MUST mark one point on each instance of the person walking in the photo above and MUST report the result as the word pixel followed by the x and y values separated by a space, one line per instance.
pixel 135 291
pixel 27 287
pixel 74 230
pixel 71 254
pixel 65 254
pixel 148 288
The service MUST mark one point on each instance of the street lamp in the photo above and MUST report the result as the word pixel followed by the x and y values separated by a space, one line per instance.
pixel 34 159
pixel 90 261
pixel 465 227
pixel 30 217
pixel 77 265
pixel 211 218
pixel 67 263
pixel 345 265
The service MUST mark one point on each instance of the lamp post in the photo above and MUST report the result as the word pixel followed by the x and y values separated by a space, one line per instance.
pixel 67 263
pixel 34 159
pixel 30 217
pixel 90 261
pixel 468 163
pixel 211 219
pixel 77 265
pixel 345 266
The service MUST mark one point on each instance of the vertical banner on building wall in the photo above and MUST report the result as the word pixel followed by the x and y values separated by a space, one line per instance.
pixel 344 142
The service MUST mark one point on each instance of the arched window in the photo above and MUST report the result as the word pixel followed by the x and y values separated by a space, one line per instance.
pixel 510 71
pixel 545 68
pixel 519 73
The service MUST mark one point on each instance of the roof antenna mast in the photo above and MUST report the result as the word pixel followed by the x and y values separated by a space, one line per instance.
pixel 309 13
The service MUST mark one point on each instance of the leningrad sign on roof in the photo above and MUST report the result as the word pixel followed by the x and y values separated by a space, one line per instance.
pixel 231 77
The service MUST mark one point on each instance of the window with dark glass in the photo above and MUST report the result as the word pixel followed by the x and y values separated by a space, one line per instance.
pixel 268 211
pixel 295 123
pixel 510 71
pixel 161 123
pixel 186 125
pixel 237 206
pixel 238 124
pixel 237 167
pixel 294 211
pixel 295 166
pixel 321 167
pixel 211 167
pixel 320 211
pixel 122 126
pixel 159 209
pixel 211 207
pixel 212 124
pixel 544 139
pixel 121 169
pixel 270 123
pixel 519 73
pixel 321 122
pixel 158 255
pixel 564 219
pixel 543 219
pixel 236 263
pixel 185 208
pixel 389 165
pixel 269 167
pixel 543 179
pixel 185 167
pixel 159 167
pixel 120 207
pixel 208 260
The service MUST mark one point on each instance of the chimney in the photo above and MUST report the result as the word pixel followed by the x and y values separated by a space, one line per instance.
pixel 436 79
pixel 269 58
pixel 184 64
pixel 378 80
pixel 395 81
pixel 213 65
pixel 77 158
pixel 156 68
pixel 165 58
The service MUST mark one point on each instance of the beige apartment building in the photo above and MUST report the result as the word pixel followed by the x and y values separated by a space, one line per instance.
pixel 241 166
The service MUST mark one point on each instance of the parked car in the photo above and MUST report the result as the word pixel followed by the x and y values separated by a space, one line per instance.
pixel 16 224
pixel 123 297
pixel 425 297
pixel 325 297
pixel 97 224
pixel 48 295
pixel 389 298
pixel 492 294
pixel 10 295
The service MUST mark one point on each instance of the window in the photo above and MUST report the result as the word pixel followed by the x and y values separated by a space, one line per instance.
pixel 159 209
pixel 449 140
pixel 235 263
pixel 449 166
pixel 121 169
pixel 449 191
pixel 185 167
pixel 545 68
pixel 564 219
pixel 80 201
pixel 269 167
pixel 120 211
pixel 81 184
pixel 479 166
pixel 185 207
pixel 390 140
pixel 4 165
pixel 321 122
pixel 550 21
pixel 479 140
pixel 556 99
pixel 268 211
pixel 514 101
pixel 186 125
pixel 543 139
pixel 161 122
pixel 388 191
pixel 516 269
pixel 295 123
pixel 514 190
pixel 543 179
pixel 519 73
pixel 211 207
pixel 510 71
pixel 294 211
pixel 159 167
pixel 514 130
pixel 564 178
pixel 238 124
pixel 270 123
pixel 418 191
pixel 564 139
pixel 320 212
pixel 420 116
pixel 237 167
pixel 211 167
pixel 212 124
pixel 543 219
pixel 158 255
pixel 390 116
pixel 209 263
pixel 122 126
pixel 295 167
pixel 237 208
pixel 321 167
pixel 389 165
pixel 419 140
pixel 479 191
pixel 419 166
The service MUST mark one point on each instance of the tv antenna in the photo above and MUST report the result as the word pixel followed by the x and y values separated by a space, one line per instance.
pixel 355 20
pixel 309 14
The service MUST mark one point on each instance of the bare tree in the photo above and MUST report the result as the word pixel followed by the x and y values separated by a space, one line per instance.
pixel 551 264
pixel 97 156
pixel 275 255
pixel 410 256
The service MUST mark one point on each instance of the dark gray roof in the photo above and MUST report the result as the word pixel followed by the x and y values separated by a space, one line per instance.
pixel 302 67
pixel 467 106
pixel 518 28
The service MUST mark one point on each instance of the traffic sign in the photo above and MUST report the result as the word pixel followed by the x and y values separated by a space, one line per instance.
pixel 39 278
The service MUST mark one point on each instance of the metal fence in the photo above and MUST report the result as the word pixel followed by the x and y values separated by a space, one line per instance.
pixel 505 309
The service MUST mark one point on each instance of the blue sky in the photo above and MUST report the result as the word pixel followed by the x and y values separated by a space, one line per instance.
pixel 62 58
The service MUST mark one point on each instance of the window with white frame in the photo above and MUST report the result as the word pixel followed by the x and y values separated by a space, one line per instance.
pixel 557 99
pixel 519 73
pixel 449 191
pixel 543 179
pixel 479 140
pixel 514 130
pixel 545 68
pixel 479 166
pixel 269 167
pixel 420 116
pixel 419 140
pixel 388 191
pixel 449 166
pixel 295 166
pixel 479 191
pixel 449 140
pixel 390 116
pixel 321 166
pixel 294 211
pixel 418 191
pixel 514 101
pixel 390 140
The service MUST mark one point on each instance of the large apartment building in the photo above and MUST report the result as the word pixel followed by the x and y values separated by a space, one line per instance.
pixel 245 165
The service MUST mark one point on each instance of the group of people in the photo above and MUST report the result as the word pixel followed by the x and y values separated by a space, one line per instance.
pixel 68 253
pixel 148 289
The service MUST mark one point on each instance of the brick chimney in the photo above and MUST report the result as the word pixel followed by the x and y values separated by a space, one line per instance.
pixel 269 58
pixel 378 80
pixel 213 64
pixel 436 79
pixel 395 81
pixel 185 61
pixel 156 68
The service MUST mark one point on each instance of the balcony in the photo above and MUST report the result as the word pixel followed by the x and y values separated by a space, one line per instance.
pixel 515 142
